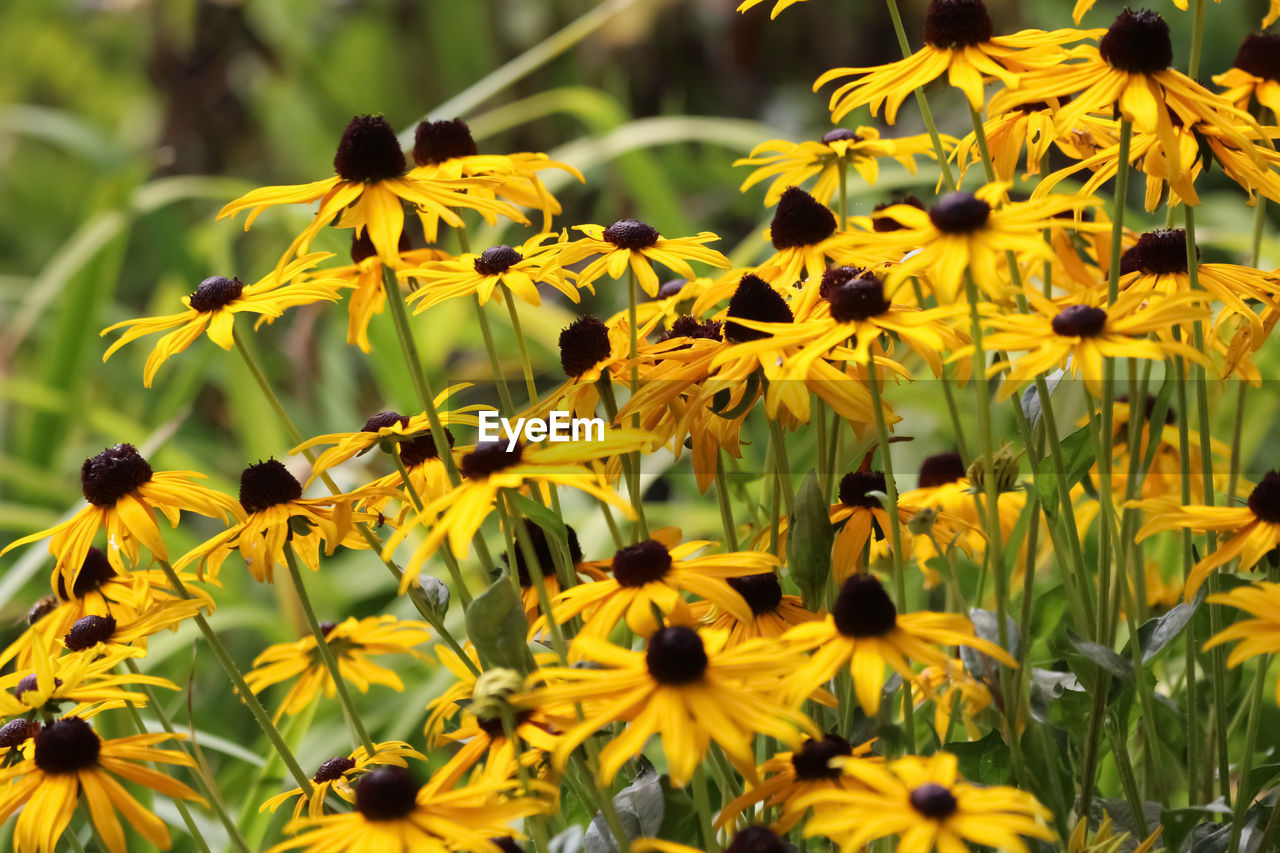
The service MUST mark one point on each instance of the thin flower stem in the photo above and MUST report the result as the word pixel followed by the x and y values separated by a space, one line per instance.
pixel 531 387
pixel 637 494
pixel 1120 751
pixel 1244 793
pixel 630 461
pixel 178 802
pixel 980 136
pixel 326 655
pixel 223 657
pixel 74 840
pixel 890 487
pixel 511 517
pixel 782 469
pixel 1197 40
pixel 604 798
pixel 1191 705
pixel 726 508
pixel 1117 215
pixel 702 804
pixel 505 403
pixel 922 101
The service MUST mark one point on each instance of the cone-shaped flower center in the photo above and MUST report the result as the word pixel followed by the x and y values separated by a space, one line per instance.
pixel 1079 321
pixel 267 484
pixel 333 769
pixel 812 761
pixel 882 224
pixel 856 486
pixel 112 474
pixel 1259 55
pixel 857 298
pixel 369 151
pixel 754 300
pixel 215 292
pixel 956 23
pixel 863 608
pixel 1160 252
pixel 688 326
pixel 940 469
pixel 631 234
pixel 757 839
pixel 15 733
pixel 88 631
pixel 362 246
pixel 959 213
pixel 800 220
pixel 762 592
pixel 490 457
pixel 584 343
pixel 497 260
pixel 67 745
pixel 933 801
pixel 94 572
pixel 437 141
pixel 1138 42
pixel 386 793
pixel 421 449
pixel 840 134
pixel 30 682
pixel 542 550
pixel 676 655
pixel 641 563
pixel 1264 500
pixel 384 420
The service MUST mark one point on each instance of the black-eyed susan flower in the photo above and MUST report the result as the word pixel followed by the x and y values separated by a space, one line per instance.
pixel 339 775
pixel 277 516
pixel 788 775
pixel 394 814
pixel 592 352
pixel 1257 635
pixel 496 465
pixel 98 634
pixel 806 237
pixel 369 191
pixel 778 6
pixel 952 688
pixel 1080 336
pixel 367 281
pixel 1254 74
pixel 789 164
pixel 630 242
pixel 1031 128
pixel 87 681
pixel 124 495
pixel 928 806
pixel 1254 528
pixel 969 233
pixel 445 149
pixel 865 632
pixel 212 308
pixel 520 269
pixel 652 575
pixel 1128 72
pixel 958 42
pixel 546 565
pixel 353 642
pixel 686 685
pixel 69 761
pixel 772 612
pixel 944 486
pixel 1164 472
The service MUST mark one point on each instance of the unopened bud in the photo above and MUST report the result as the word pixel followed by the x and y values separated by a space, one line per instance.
pixel 1005 463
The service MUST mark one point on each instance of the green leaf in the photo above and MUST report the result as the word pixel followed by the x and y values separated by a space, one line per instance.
pixel 1158 633
pixel 1077 459
pixel 985 761
pixel 1089 655
pixel 679 818
pixel 641 807
pixel 497 626
pixel 809 541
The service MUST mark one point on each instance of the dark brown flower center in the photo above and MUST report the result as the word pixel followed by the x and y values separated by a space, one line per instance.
pixel 1079 321
pixel 43 607
pixel 88 631
pixel 490 457
pixel 959 213
pixel 215 292
pixel 688 326
pixel 15 733
pixel 1264 500
pixel 362 245
pixel 1160 252
pixel 631 234
pixel 863 608
pixel 670 288
pixel 326 628
pixel 800 220
pixel 333 769
pixel 754 300
pixel 386 793
pixel 94 572
pixel 415 451
pixel 676 655
pixel 641 563
pixel 267 484
pixel 497 260
pixel 883 224
pixel 542 551
pixel 584 343
pixel 757 839
pixel 1259 55
pixel 1138 42
pixel 813 760
pixel 384 420
pixel 112 474
pixel 369 151
pixel 857 298
pixel 956 23
pixel 30 682
pixel 933 801
pixel 67 745
pixel 840 134
pixel 762 592
pixel 856 488
pixel 940 469
pixel 437 141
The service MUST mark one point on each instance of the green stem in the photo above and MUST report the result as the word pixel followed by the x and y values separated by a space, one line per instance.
pixel 980 136
pixel 1197 40
pixel 531 387
pixel 495 361
pixel 782 469
pixel 922 101
pixel 178 802
pixel 1244 795
pixel 702 804
pixel 726 509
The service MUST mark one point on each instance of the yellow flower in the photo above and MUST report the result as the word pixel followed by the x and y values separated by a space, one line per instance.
pixel 772 613
pixel 925 803
pixel 687 686
pixel 1259 635
pixel 790 164
pixel 352 642
pixel 68 759
pixel 97 635
pixel 339 775
pixel 958 42
pixel 635 243
pixel 1032 126
pixel 519 269
pixel 87 680
pixel 369 191
pixel 778 6
pixel 1252 75
pixel 124 494
pixel 950 686
pixel 865 632
pixel 212 310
